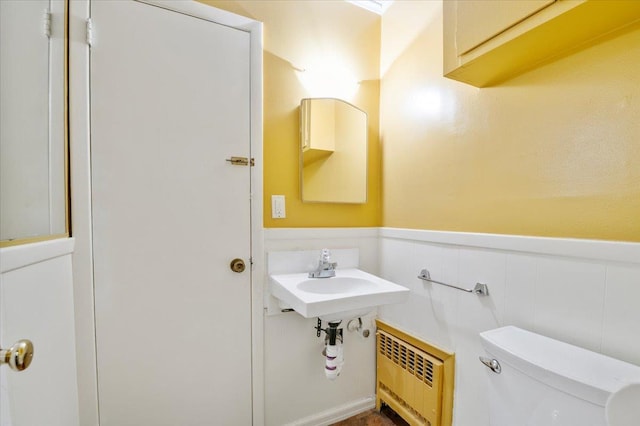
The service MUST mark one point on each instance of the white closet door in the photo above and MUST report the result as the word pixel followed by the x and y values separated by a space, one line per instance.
pixel 170 102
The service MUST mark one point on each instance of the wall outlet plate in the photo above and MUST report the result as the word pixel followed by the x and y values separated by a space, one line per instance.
pixel 278 207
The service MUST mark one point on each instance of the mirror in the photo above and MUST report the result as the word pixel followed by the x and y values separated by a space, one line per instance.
pixel 333 151
pixel 33 179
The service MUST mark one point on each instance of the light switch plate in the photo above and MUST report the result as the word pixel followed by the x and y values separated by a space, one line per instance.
pixel 277 207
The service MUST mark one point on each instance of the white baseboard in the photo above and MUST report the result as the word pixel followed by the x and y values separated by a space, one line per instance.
pixel 337 414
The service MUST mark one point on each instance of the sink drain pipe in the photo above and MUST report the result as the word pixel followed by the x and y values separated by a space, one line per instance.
pixel 333 350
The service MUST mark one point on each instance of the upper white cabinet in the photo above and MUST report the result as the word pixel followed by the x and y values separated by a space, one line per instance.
pixel 489 41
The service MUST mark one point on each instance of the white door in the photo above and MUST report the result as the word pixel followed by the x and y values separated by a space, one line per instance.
pixel 170 102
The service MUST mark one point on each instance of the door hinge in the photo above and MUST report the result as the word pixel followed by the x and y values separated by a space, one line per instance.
pixel 89 34
pixel 240 161
pixel 47 23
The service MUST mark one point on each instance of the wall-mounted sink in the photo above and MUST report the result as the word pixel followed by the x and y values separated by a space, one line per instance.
pixel 350 294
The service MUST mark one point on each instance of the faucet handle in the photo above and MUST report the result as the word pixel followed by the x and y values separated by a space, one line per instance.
pixel 326 255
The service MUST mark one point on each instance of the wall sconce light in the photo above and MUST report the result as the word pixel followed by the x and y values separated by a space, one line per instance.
pixel 328 80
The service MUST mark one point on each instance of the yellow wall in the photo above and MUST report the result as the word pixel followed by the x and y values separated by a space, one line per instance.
pixel 553 152
pixel 308 35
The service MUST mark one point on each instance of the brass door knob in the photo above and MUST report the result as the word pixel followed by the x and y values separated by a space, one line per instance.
pixel 18 356
pixel 237 265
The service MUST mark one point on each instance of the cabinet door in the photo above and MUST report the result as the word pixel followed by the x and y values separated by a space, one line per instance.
pixel 36 303
pixel 481 20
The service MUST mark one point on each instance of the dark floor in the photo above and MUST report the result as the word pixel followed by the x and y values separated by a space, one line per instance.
pixel 386 417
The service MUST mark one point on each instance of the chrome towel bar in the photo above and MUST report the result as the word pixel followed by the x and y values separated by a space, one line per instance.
pixel 480 289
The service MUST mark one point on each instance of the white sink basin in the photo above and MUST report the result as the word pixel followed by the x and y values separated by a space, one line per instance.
pixel 334 285
pixel 350 294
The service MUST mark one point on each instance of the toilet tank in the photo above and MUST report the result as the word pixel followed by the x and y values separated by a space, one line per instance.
pixel 545 382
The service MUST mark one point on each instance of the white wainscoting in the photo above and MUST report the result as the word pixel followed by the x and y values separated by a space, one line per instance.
pixel 583 292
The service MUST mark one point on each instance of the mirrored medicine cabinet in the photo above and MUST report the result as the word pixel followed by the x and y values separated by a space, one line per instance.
pixel 33 142
pixel 333 151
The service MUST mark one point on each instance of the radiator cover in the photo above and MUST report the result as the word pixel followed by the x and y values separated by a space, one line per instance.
pixel 411 379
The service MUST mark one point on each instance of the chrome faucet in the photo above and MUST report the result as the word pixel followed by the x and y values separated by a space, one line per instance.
pixel 325 268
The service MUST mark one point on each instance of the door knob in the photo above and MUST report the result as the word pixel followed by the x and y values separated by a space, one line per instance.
pixel 18 356
pixel 237 265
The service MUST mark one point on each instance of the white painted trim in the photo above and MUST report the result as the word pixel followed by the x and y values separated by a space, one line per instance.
pixel 337 414
pixel 258 267
pixel 615 251
pixel 16 257
pixel 274 234
pixel 376 6
pixel 209 13
pixel 80 180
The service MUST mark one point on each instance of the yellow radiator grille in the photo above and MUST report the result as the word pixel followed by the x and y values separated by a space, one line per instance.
pixel 409 380
pixel 413 415
pixel 407 357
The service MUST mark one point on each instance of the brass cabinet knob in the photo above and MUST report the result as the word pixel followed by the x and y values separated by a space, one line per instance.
pixel 18 356
pixel 237 265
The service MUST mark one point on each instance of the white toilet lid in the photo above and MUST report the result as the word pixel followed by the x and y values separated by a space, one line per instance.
pixel 623 406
